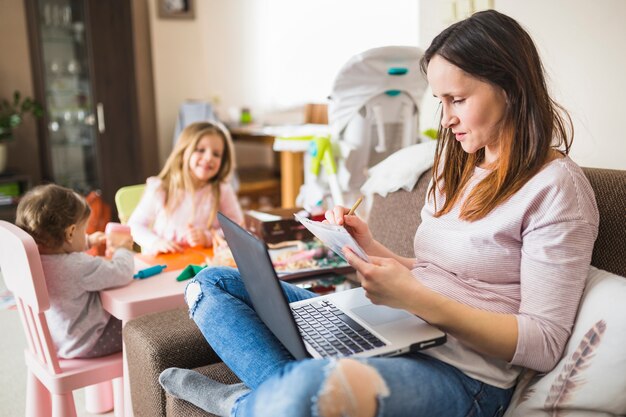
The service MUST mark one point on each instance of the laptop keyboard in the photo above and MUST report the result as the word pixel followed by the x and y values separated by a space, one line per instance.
pixel 331 332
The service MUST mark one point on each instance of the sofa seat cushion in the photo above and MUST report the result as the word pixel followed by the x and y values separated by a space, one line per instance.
pixel 589 380
pixel 217 372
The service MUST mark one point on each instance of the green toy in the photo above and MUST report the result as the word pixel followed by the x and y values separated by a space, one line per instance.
pixel 189 272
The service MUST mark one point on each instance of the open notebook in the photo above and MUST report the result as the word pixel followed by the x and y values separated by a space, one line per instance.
pixel 333 236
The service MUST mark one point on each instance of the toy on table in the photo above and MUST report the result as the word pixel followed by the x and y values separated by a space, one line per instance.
pixel 150 271
pixel 310 255
pixel 189 272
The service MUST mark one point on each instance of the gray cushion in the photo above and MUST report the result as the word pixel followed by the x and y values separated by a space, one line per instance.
pixel 609 186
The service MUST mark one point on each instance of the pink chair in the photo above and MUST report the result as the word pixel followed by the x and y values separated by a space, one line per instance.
pixel 50 380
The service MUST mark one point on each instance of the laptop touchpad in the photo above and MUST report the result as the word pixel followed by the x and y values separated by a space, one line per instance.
pixel 376 315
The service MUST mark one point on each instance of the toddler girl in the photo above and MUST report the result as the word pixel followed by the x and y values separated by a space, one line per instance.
pixel 56 217
pixel 179 206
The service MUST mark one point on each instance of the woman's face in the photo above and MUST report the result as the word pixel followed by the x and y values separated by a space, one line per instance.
pixel 206 158
pixel 471 108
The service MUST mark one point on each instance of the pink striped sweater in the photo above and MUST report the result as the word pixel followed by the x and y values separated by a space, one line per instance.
pixel 529 257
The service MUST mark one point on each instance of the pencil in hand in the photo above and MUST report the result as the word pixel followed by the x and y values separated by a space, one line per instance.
pixel 355 206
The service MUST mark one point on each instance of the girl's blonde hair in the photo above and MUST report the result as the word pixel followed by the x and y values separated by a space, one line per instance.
pixel 176 177
pixel 47 211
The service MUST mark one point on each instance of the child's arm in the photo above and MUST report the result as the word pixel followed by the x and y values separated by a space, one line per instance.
pixel 144 215
pixel 100 273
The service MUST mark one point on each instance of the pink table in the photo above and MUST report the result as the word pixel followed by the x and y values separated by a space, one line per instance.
pixel 144 296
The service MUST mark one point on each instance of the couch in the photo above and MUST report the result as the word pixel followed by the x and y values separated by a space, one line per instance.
pixel 158 341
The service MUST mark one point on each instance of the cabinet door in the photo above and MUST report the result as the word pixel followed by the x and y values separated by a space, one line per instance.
pixel 82 55
pixel 111 49
pixel 62 75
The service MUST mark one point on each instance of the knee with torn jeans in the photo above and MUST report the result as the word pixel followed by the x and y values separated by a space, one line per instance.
pixel 208 276
pixel 351 389
pixel 193 294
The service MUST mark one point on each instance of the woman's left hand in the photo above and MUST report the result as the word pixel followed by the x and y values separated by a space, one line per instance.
pixel 195 236
pixel 385 280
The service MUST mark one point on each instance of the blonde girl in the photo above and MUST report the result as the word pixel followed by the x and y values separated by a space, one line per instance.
pixel 179 206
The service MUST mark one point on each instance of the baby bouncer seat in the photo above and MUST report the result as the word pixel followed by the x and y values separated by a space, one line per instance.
pixel 374 111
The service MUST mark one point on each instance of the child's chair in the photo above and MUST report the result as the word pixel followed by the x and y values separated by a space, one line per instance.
pixel 50 380
pixel 126 199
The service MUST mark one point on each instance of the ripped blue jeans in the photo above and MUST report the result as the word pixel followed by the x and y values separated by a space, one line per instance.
pixel 409 385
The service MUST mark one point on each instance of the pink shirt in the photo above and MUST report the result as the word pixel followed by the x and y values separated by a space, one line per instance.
pixel 529 257
pixel 150 221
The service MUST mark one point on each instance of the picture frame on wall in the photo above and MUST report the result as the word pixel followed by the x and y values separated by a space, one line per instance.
pixel 176 9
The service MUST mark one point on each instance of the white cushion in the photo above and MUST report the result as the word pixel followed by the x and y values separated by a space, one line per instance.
pixel 400 170
pixel 590 378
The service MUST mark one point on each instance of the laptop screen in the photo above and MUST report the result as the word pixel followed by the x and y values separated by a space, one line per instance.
pixel 263 286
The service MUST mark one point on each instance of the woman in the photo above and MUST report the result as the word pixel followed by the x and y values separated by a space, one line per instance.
pixel 500 261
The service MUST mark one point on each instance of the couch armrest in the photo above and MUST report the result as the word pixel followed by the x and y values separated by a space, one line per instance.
pixel 155 342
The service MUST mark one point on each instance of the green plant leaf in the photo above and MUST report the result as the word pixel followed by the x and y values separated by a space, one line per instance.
pixel 11 113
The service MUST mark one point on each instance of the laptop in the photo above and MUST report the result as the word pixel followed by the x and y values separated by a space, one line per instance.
pixel 334 325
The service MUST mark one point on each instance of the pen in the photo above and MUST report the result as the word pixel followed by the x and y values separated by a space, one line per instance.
pixel 148 272
pixel 355 206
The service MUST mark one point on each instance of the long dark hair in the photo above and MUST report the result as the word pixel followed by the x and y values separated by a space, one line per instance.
pixel 495 49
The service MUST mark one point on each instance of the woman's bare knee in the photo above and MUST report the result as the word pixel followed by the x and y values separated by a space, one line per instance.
pixel 351 389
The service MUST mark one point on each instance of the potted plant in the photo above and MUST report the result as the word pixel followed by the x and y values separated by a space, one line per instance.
pixel 11 116
pixel 12 113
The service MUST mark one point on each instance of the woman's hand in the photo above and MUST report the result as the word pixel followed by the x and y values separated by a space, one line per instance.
pixel 164 246
pixel 195 236
pixel 385 280
pixel 359 230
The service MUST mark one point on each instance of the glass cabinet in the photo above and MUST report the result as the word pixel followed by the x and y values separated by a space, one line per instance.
pixel 96 133
pixel 71 125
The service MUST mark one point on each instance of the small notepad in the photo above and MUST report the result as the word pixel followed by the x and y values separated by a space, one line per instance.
pixel 334 236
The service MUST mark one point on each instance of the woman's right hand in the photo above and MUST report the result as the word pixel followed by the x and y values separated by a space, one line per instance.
pixel 165 246
pixel 359 230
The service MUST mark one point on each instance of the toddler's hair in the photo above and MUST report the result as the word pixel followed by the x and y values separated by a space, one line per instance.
pixel 47 210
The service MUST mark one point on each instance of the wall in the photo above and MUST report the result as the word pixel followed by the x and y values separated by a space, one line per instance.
pixel 15 74
pixel 582 47
pixel 581 43
pixel 185 53
pixel 244 53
